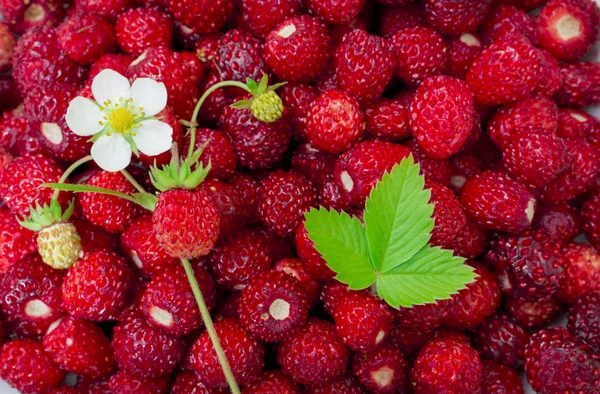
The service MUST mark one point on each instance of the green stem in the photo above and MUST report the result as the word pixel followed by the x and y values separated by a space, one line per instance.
pixel 210 328
pixel 69 171
pixel 132 180
pixel 193 123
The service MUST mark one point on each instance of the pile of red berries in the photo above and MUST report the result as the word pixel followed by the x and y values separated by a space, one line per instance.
pixel 486 95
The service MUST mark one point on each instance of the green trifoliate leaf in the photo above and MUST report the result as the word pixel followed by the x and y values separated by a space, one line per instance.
pixel 430 275
pixel 343 243
pixel 397 216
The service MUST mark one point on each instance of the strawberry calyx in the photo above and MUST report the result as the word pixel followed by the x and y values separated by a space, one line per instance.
pixel 265 105
pixel 46 215
pixel 180 174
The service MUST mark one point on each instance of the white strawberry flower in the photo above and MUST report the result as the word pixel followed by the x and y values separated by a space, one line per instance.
pixel 121 119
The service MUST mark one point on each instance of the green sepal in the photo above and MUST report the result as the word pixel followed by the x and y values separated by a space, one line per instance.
pixel 146 200
pixel 263 84
pixel 252 86
pixel 181 175
pixel 44 216
pixel 276 86
pixel 134 147
pixel 242 104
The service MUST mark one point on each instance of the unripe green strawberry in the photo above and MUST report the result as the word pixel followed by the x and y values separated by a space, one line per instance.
pixel 59 245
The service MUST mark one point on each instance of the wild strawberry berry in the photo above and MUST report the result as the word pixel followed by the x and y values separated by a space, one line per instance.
pixel 313 164
pixel 502 339
pixel 107 9
pixel 582 273
pixel 168 301
pixel 59 245
pixel 244 353
pixel 86 37
pixel 456 17
pixel 500 379
pixel 360 168
pixel 574 123
pixel 31 295
pixel 284 197
pixel 260 17
pixel 584 320
pixel 111 213
pixel 205 16
pixel 79 347
pixel 363 64
pixel 273 306
pixel 123 383
pixel 580 85
pixel 591 219
pixel 186 223
pixel 382 371
pixel 298 50
pixel 448 214
pixel 23 17
pixel 272 382
pixel 553 79
pixel 479 300
pixel 7 44
pixel 215 103
pixel 346 384
pixel 387 119
pixel 258 145
pixel 420 53
pixel 442 116
pixel 447 365
pixel 462 52
pixel 576 179
pixel 186 382
pixel 334 122
pixel 294 268
pixel 313 355
pixel 470 242
pixel 95 288
pixel 94 238
pixel 568 28
pixel 141 28
pixel 312 260
pixel 16 242
pixel 297 98
pixel 228 202
pixel 143 350
pixel 218 151
pixel 394 19
pixel 557 362
pixel 409 340
pixel 536 113
pixel 532 314
pixel 335 12
pixel 242 257
pixel 506 19
pixel 497 79
pixel 426 316
pixel 25 366
pixel 561 222
pixel 525 5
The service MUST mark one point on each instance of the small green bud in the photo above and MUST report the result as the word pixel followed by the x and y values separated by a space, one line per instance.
pixel 267 107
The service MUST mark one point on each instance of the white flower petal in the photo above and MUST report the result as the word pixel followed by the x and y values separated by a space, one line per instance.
pixel 150 95
pixel 112 152
pixel 110 85
pixel 83 117
pixel 153 137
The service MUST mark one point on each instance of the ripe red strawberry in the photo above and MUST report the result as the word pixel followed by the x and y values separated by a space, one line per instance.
pixel 485 198
pixel 442 116
pixel 409 340
pixel 107 9
pixel 420 53
pixel 447 365
pixel 313 164
pixel 591 219
pixel 80 347
pixel 298 50
pixel 394 19
pixel 580 85
pixel 124 383
pixel 334 122
pixel 448 214
pixel 456 16
pixel 502 339
pixel 506 19
pixel 31 295
pixel 218 151
pixel 23 17
pixel 94 238
pixel 273 306
pixel 362 320
pixel 272 382
pixel 297 98
pixel 16 242
pixel 86 37
pixel 578 178
pixel 346 384
pixel 360 168
pixel 228 201
pixel 470 242
pixel 574 123
pixel 213 106
pixel 186 223
pixel 25 366
pixel 560 222
pixel 582 273
pixel 363 64
pixel 551 70
pixel 381 371
pixel 479 300
pixel 205 16
pixel 95 288
pixel 284 197
pixel 335 12
pixel 532 314
pixel 242 257
pixel 557 362
pixel 247 187
pixel 294 268
pixel 525 5
pixel 168 301
pixel 427 316
pixel 584 320
pixel 258 145
pixel 498 78
pixel 500 379
pixel 260 17
pixel 7 44
pixel 462 52
pixel 186 382
pixel 568 28
pixel 313 355
pixel 312 260
pixel 140 28
pixel 387 119
pixel 244 353
pixel 20 181
pixel 143 350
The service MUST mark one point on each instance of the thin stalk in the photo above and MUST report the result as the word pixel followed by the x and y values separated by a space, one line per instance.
pixel 210 328
pixel 69 171
pixel 193 121
pixel 132 180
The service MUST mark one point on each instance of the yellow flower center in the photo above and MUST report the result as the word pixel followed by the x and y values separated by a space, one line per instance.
pixel 121 120
pixel 121 117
